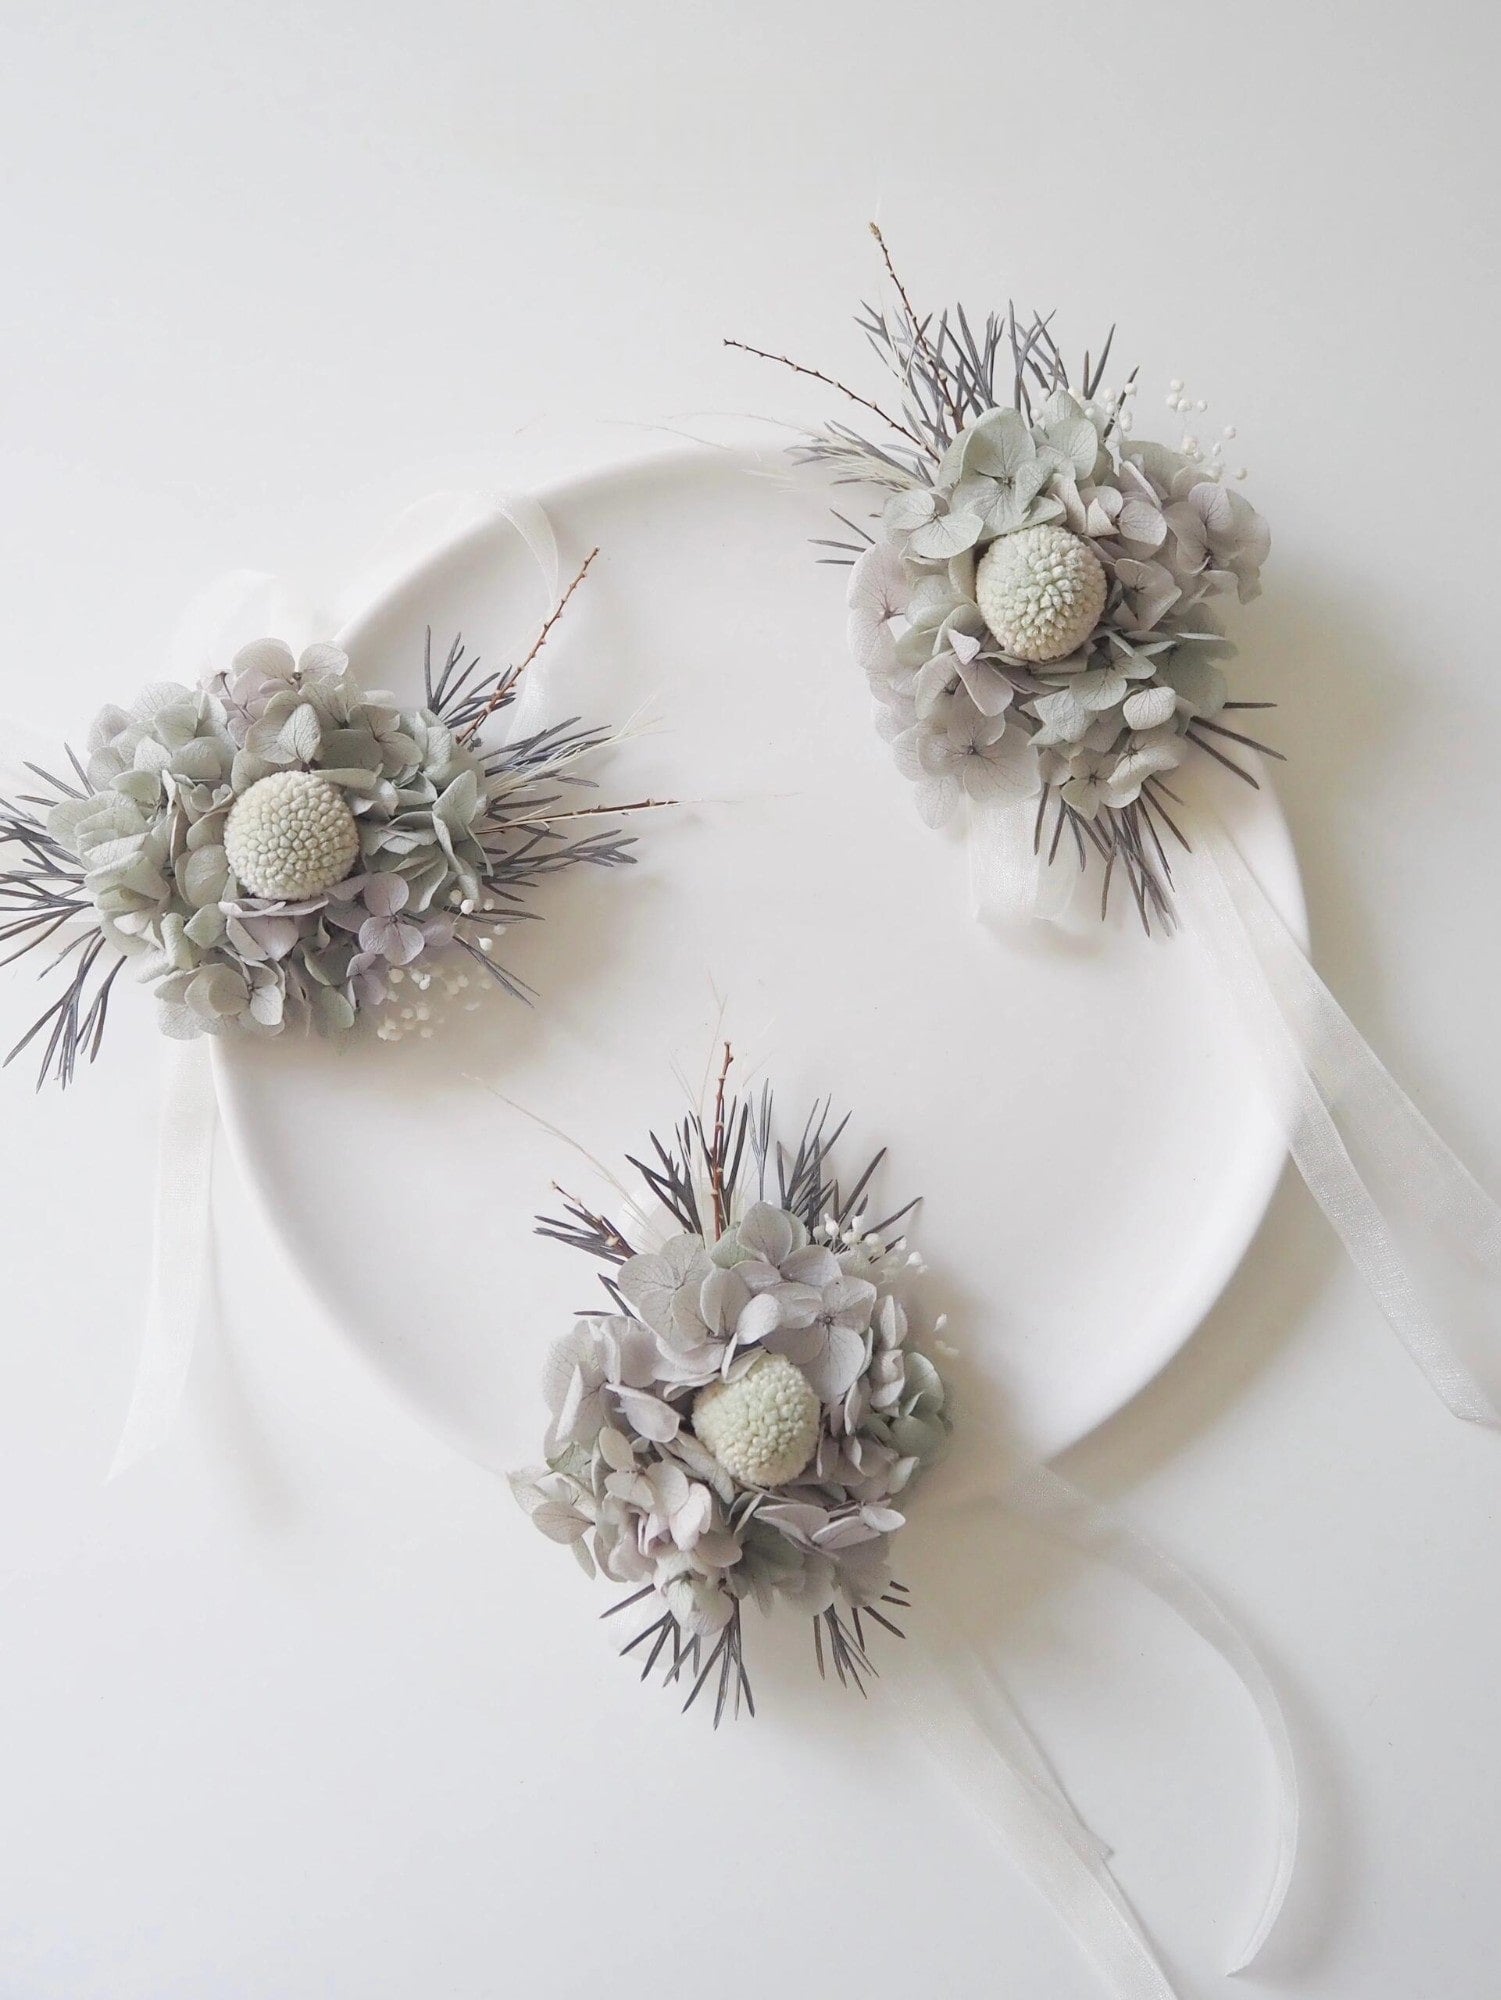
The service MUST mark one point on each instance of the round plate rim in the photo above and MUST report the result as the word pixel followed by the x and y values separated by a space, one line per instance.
pixel 561 490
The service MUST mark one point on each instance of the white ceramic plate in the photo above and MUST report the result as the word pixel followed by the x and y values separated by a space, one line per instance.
pixel 1092 1156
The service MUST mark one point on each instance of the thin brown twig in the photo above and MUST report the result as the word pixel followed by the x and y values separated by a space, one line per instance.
pixel 831 382
pixel 591 812
pixel 940 373
pixel 716 1156
pixel 505 687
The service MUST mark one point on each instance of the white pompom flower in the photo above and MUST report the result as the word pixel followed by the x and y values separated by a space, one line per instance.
pixel 1041 592
pixel 291 835
pixel 763 1428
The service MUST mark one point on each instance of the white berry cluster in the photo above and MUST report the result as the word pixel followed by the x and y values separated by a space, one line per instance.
pixel 291 835
pixel 1213 460
pixel 419 998
pixel 1041 592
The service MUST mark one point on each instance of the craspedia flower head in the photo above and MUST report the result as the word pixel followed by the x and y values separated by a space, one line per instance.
pixel 763 1428
pixel 291 835
pixel 1041 591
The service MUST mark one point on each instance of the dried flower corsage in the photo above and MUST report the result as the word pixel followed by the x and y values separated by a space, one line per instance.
pixel 1034 606
pixel 1035 609
pixel 745 1421
pixel 279 849
pixel 744 1424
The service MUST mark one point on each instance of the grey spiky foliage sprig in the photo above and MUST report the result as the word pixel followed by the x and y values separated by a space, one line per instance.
pixel 738 1425
pixel 278 847
pixel 1030 606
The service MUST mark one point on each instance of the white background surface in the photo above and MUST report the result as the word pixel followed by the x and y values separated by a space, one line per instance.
pixel 267 275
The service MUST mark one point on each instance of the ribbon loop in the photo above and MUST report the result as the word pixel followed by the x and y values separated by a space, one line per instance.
pixel 984 1748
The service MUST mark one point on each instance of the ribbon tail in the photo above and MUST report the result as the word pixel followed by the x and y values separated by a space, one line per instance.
pixel 1050 1503
pixel 1026 1809
pixel 182 1251
pixel 1011 879
pixel 997 1767
pixel 1003 869
pixel 1418 1227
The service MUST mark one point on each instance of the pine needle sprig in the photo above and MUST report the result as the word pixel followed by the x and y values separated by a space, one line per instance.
pixel 697 1174
pixel 42 897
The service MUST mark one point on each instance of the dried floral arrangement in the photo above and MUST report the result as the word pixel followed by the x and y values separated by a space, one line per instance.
pixel 742 1422
pixel 280 849
pixel 1034 607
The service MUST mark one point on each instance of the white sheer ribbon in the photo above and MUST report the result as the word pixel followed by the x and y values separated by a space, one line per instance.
pixel 1004 881
pixel 239 607
pixel 1060 1509
pixel 1417 1225
pixel 982 1745
pixel 1419 1228
pixel 1008 1785
pixel 1010 878
pixel 181 1250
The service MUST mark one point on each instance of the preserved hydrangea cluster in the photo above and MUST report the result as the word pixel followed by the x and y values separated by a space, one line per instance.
pixel 746 1423
pixel 1053 584
pixel 279 848
pixel 1036 610
pixel 270 845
